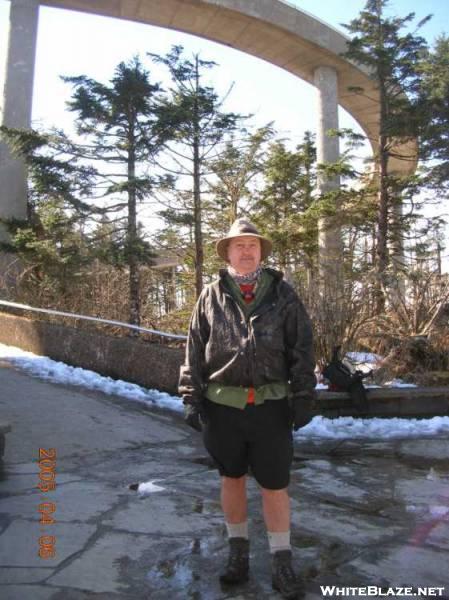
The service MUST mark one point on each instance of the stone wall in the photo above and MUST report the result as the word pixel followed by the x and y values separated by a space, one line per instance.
pixel 156 366
pixel 148 364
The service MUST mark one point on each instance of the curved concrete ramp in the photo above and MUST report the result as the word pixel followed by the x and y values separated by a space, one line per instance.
pixel 268 29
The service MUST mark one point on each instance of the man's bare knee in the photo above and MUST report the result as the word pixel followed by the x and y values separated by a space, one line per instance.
pixel 274 493
pixel 236 483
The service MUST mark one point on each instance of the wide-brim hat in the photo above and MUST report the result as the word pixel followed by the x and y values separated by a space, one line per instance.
pixel 240 228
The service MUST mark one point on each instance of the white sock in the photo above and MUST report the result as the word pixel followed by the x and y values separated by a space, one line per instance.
pixel 237 529
pixel 279 540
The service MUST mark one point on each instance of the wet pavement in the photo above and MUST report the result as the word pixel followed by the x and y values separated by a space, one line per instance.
pixel 364 513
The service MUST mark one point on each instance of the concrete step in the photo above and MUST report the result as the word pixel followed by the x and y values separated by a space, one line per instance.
pixel 410 402
pixel 4 428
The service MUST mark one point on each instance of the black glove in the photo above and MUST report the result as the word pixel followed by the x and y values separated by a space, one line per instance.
pixel 302 408
pixel 194 416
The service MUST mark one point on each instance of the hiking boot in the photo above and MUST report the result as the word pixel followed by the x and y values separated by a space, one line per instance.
pixel 238 562
pixel 284 579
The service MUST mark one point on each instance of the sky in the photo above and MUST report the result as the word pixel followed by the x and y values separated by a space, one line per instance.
pixel 319 428
pixel 71 43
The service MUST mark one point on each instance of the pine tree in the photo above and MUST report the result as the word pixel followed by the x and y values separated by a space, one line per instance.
pixel 284 202
pixel 392 57
pixel 107 170
pixel 195 112
pixel 241 162
pixel 434 102
pixel 121 120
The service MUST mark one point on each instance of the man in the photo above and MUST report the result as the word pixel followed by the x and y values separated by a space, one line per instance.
pixel 248 377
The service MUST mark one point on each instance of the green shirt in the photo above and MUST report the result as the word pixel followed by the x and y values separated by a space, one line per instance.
pixel 237 397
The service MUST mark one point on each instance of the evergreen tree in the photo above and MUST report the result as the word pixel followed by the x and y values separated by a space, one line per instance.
pixel 235 169
pixel 54 172
pixel 195 114
pixel 393 58
pixel 53 252
pixel 434 102
pixel 121 122
pixel 284 203
pixel 51 244
pixel 107 169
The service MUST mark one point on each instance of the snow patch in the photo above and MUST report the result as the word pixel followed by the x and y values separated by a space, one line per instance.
pixel 149 487
pixel 374 429
pixel 320 427
pixel 58 372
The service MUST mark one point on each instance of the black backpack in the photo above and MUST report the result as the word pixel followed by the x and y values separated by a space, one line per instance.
pixel 342 379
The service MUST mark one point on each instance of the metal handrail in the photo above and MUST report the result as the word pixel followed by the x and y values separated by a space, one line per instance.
pixel 86 318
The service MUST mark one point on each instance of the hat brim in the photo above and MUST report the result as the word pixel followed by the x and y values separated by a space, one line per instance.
pixel 222 245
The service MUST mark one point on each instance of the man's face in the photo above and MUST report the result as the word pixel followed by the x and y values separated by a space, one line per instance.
pixel 244 254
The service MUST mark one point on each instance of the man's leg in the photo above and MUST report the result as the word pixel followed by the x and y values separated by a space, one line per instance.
pixel 234 504
pixel 271 457
pixel 228 449
pixel 233 499
pixel 276 510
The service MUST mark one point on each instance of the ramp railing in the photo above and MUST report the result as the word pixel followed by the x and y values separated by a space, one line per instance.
pixel 60 313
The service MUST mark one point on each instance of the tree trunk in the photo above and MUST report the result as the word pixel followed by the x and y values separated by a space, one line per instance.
pixel 382 234
pixel 197 216
pixel 438 259
pixel 131 242
pixel 383 205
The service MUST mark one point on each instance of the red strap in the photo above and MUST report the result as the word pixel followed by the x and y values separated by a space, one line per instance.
pixel 250 399
pixel 247 290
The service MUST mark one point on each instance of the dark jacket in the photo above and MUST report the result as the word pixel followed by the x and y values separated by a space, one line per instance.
pixel 272 344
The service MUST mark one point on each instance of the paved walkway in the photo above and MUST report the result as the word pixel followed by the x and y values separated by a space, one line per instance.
pixel 364 513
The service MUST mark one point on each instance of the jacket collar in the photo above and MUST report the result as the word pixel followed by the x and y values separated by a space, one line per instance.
pixel 278 275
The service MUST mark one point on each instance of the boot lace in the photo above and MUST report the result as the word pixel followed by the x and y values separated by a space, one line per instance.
pixel 286 576
pixel 236 561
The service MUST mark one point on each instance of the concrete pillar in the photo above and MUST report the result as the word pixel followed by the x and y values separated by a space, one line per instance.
pixel 330 238
pixel 17 104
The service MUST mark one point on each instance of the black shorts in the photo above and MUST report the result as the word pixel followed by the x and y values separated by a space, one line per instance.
pixel 257 437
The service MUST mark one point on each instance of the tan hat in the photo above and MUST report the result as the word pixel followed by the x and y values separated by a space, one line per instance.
pixel 240 228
